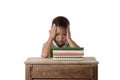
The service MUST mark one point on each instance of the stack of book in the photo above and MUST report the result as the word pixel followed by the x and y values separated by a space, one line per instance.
pixel 68 53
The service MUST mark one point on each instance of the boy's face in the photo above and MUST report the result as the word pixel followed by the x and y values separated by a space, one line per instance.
pixel 60 37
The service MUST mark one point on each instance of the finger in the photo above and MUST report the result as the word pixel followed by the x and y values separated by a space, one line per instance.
pixel 68 27
pixel 53 26
pixel 55 29
pixel 49 31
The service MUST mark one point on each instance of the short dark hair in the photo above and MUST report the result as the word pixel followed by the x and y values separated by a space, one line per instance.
pixel 61 21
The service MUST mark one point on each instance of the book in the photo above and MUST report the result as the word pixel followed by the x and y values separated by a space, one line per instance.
pixel 68 53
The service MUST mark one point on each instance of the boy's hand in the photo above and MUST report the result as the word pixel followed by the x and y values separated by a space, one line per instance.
pixel 68 33
pixel 52 31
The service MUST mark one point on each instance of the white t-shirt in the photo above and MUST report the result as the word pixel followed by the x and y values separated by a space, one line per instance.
pixel 64 46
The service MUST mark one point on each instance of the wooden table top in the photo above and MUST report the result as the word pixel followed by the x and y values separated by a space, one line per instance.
pixel 39 60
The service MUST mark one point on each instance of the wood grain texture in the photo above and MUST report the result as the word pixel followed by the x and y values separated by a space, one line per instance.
pixel 47 69
pixel 38 60
pixel 62 79
pixel 62 71
pixel 28 72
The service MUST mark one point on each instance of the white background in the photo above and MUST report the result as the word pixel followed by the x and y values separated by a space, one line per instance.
pixel 24 26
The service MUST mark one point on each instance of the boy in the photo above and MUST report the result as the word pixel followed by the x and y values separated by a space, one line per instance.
pixel 60 36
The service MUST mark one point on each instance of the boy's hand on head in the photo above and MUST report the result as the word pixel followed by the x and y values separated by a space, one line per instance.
pixel 68 33
pixel 52 31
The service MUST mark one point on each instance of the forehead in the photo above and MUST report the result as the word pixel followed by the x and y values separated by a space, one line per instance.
pixel 61 29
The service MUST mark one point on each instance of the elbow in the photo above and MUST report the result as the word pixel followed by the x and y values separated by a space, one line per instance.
pixel 44 56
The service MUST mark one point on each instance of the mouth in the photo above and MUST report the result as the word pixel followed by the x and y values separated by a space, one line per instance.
pixel 61 41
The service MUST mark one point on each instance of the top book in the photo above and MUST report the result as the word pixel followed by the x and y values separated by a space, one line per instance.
pixel 68 48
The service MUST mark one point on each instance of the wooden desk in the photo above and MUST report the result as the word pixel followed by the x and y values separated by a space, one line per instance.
pixel 47 69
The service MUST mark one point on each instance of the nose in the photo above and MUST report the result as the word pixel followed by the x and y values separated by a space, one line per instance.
pixel 60 36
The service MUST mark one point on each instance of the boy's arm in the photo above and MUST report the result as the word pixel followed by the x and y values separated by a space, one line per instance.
pixel 70 41
pixel 72 44
pixel 47 47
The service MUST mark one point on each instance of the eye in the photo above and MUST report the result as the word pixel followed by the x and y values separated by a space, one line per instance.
pixel 57 33
pixel 64 34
